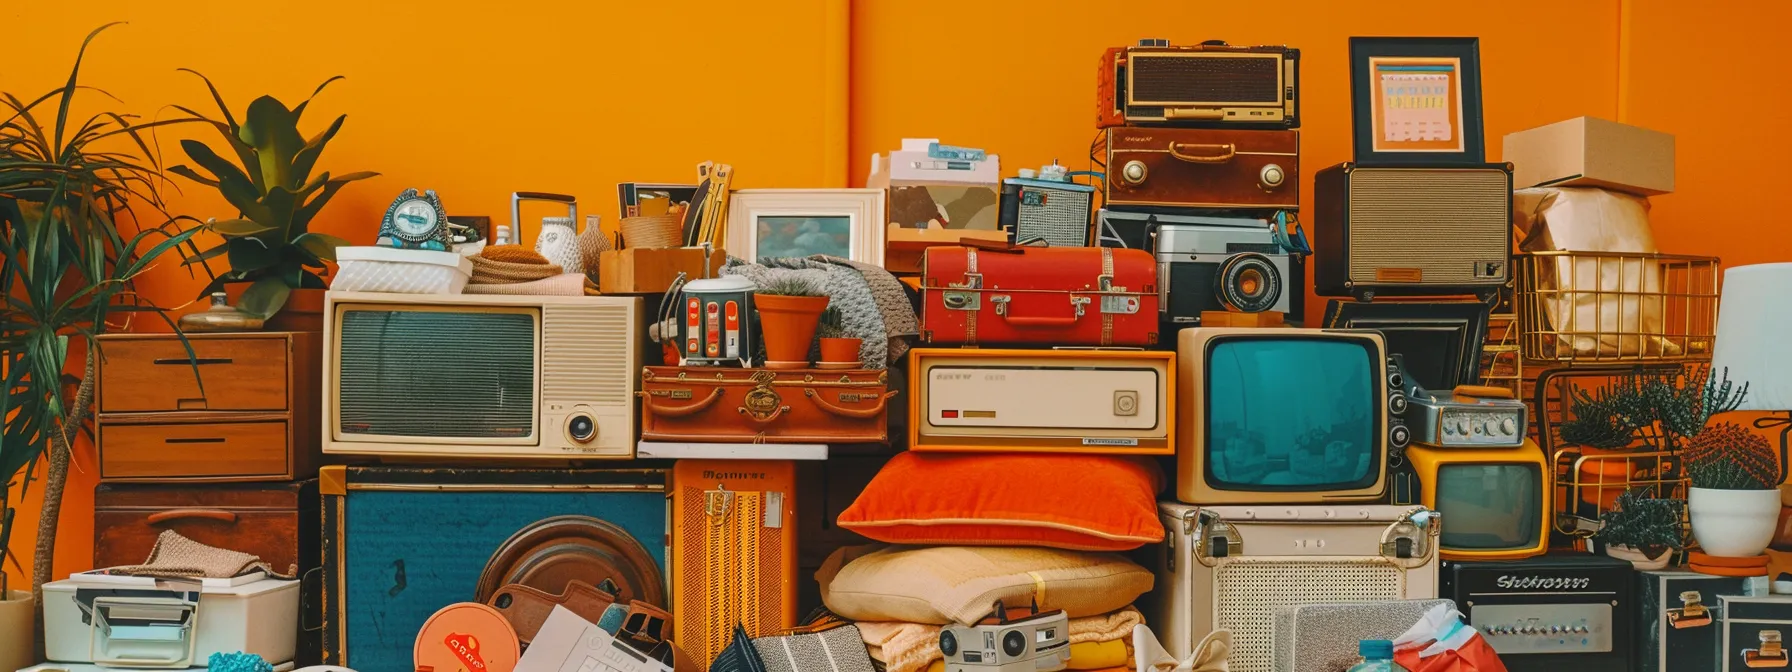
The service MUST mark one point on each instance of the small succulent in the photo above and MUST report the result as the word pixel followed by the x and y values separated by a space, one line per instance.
pixel 788 283
pixel 833 324
pixel 1643 522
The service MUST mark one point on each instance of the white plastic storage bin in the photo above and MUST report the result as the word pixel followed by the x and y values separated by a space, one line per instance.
pixel 144 623
pixel 387 269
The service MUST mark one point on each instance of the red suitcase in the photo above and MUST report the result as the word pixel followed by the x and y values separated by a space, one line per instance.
pixel 1006 295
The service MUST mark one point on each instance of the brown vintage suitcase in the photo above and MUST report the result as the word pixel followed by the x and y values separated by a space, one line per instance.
pixel 725 405
pixel 1203 168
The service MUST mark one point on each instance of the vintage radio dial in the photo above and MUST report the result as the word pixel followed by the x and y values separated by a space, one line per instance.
pixel 1271 177
pixel 1508 426
pixel 1133 172
pixel 581 427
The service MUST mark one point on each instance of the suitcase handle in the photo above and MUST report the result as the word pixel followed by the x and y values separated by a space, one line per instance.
pixel 1225 152
pixel 181 514
pixel 1076 302
pixel 684 410
pixel 752 417
pixel 861 413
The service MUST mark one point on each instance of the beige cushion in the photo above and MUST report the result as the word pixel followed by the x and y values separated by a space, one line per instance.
pixel 944 584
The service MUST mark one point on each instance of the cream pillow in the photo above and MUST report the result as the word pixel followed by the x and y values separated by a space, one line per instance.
pixel 945 584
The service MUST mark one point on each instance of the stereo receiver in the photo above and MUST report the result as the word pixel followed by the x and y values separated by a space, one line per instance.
pixel 1211 84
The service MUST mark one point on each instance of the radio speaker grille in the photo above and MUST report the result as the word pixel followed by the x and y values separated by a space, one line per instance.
pixel 588 348
pixel 1175 79
pixel 1247 593
pixel 436 374
pixel 1063 219
pixel 1436 220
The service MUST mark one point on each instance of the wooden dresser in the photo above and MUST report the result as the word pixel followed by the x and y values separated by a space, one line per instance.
pixel 251 413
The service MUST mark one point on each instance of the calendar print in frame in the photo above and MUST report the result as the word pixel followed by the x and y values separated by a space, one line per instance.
pixel 1416 101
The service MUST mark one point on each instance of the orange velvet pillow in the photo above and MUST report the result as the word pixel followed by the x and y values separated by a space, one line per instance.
pixel 1076 502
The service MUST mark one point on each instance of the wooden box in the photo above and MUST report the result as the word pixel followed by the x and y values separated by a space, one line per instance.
pixel 249 413
pixel 276 521
pixel 652 271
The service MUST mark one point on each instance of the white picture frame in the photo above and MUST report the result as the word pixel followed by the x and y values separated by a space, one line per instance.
pixel 819 214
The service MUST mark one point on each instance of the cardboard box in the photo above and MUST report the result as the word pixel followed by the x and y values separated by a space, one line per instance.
pixel 653 270
pixel 1592 152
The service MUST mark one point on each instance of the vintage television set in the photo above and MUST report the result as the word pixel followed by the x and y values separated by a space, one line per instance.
pixel 1285 416
pixel 1496 499
pixel 492 376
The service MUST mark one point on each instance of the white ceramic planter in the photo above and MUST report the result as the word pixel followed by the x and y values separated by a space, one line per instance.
pixel 1733 523
pixel 1638 559
pixel 17 620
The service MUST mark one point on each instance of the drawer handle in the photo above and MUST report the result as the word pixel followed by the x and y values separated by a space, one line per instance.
pixel 182 514
pixel 169 361
pixel 194 439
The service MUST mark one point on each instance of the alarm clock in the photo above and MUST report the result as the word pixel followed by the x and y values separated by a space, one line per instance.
pixel 415 222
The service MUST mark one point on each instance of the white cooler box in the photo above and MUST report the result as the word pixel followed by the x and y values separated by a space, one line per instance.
pixel 141 622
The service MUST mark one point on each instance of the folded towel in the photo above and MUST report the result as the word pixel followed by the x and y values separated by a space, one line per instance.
pixel 915 647
pixel 177 557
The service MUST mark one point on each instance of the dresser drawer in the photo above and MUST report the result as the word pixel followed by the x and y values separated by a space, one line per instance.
pixel 154 374
pixel 215 450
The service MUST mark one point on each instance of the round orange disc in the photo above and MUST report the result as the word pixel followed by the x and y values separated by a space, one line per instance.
pixel 1698 558
pixel 467 637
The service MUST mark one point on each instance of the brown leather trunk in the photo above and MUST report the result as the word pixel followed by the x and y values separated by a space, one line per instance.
pixel 728 405
pixel 277 521
pixel 1203 168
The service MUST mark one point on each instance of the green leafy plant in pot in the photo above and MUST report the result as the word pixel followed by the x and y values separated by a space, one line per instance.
pixel 790 306
pixel 1642 529
pixel 838 347
pixel 1734 501
pixel 275 259
pixel 72 196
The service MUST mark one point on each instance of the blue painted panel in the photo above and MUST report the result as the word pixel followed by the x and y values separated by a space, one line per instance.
pixel 444 540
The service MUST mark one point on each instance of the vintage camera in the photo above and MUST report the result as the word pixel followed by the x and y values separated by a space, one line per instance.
pixel 1226 263
pixel 1037 643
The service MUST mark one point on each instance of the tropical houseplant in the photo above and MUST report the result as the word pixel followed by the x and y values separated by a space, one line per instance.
pixel 274 256
pixel 1642 529
pixel 68 187
pixel 1734 501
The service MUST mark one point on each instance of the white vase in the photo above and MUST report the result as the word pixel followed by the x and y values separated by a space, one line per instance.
pixel 559 242
pixel 17 620
pixel 1733 523
pixel 1637 558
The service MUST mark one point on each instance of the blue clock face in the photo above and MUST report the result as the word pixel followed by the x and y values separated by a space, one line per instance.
pixel 414 218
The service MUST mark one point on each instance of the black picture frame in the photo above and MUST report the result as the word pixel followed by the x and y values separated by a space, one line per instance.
pixel 1456 330
pixel 1365 52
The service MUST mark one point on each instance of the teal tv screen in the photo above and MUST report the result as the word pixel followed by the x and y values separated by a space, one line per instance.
pixel 1293 414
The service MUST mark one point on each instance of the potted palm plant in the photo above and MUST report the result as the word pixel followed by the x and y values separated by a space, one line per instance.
pixel 1734 501
pixel 276 261
pixel 71 190
pixel 789 306
pixel 1642 529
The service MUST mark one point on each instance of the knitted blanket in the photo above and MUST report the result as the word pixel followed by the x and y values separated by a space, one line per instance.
pixel 847 292
pixel 175 557
pixel 900 323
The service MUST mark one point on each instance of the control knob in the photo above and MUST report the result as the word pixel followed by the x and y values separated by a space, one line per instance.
pixel 1271 177
pixel 1508 426
pixel 1133 172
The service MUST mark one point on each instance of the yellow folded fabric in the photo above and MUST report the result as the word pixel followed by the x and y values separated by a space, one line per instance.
pixel 1100 655
pixel 1096 643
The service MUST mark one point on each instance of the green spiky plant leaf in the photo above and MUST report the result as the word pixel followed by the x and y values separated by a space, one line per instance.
pixel 1644 523
pixel 269 244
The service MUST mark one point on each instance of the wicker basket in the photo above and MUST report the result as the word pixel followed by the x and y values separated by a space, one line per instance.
pixel 656 231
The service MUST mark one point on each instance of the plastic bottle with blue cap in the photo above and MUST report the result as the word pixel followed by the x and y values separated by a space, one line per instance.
pixel 1378 656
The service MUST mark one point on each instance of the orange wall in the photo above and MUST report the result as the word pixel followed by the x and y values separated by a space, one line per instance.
pixel 477 101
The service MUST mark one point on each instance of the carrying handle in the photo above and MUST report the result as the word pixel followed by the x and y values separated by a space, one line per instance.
pixel 1484 392
pixel 516 209
pixel 776 413
pixel 1212 153
pixel 860 413
pixel 183 514
pixel 1077 304
pixel 1002 246
pixel 685 410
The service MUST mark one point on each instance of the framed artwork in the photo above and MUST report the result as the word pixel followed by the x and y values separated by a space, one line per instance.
pixel 846 223
pixel 1416 100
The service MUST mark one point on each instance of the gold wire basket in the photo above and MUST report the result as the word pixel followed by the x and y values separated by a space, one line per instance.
pixel 1615 307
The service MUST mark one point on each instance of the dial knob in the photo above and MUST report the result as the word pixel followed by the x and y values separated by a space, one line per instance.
pixel 1508 426
pixel 1271 176
pixel 1555 629
pixel 1133 172
pixel 1462 426
pixel 581 427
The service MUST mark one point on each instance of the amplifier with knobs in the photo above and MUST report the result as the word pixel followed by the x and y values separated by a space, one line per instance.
pixel 1172 169
pixel 1466 416
pixel 1555 612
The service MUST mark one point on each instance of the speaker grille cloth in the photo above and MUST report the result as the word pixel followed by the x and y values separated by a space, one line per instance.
pixel 728 566
pixel 589 350
pixel 1063 221
pixel 1214 79
pixel 1248 592
pixel 437 374
pixel 1440 221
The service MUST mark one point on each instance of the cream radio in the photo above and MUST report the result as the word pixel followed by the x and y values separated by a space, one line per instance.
pixel 1059 401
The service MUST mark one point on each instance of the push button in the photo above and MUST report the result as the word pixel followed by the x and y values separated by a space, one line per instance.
pixel 1126 402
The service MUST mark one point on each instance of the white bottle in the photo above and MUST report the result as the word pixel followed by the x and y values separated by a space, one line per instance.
pixel 503 235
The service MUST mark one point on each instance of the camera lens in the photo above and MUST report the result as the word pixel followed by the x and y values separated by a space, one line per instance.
pixel 581 428
pixel 948 643
pixel 1248 283
pixel 1014 643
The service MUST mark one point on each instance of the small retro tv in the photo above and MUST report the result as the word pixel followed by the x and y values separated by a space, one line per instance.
pixel 1495 500
pixel 483 376
pixel 1283 416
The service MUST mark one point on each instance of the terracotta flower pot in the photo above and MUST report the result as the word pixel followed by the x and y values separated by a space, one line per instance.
pixel 840 351
pixel 304 309
pixel 17 629
pixel 787 324
pixel 1639 559
pixel 1733 523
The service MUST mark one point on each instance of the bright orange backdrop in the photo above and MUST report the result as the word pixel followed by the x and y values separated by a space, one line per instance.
pixel 478 100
